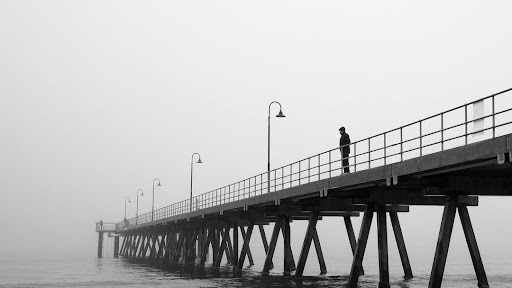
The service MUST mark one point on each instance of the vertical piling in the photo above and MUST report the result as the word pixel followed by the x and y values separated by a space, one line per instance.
pixel 116 246
pixel 382 244
pixel 443 243
pixel 100 244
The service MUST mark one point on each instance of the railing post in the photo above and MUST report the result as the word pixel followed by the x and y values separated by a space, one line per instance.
pixel 275 180
pixel 442 131
pixel 466 124
pixel 355 158
pixel 319 170
pixel 309 169
pixel 421 139
pixel 401 144
pixel 330 161
pixel 384 148
pixel 493 119
pixel 369 155
pixel 299 172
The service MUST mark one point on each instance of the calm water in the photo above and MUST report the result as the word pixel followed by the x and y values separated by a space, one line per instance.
pixel 82 271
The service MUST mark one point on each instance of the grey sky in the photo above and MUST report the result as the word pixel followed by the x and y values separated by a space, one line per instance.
pixel 99 97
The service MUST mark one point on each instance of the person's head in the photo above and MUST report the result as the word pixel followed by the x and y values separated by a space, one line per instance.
pixel 342 130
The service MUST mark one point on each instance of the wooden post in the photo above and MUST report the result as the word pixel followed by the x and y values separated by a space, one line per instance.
pixel 206 244
pixel 382 243
pixel 352 238
pixel 400 243
pixel 357 262
pixel 245 246
pixel 265 243
pixel 122 245
pixel 222 248
pixel 473 247
pixel 287 249
pixel 135 245
pixel 272 246
pixel 235 247
pixel 249 254
pixel 100 244
pixel 307 243
pixel 443 243
pixel 116 246
pixel 142 250
pixel 179 245
pixel 319 254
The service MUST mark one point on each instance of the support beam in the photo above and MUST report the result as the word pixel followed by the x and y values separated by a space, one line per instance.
pixel 473 247
pixel 249 254
pixel 287 247
pixel 206 244
pixel 234 255
pixel 134 253
pixel 400 243
pixel 100 244
pixel 306 244
pixel 142 249
pixel 265 243
pixel 443 243
pixel 116 246
pixel 352 238
pixel 223 247
pixel 272 246
pixel 319 253
pixel 382 243
pixel 245 246
pixel 357 262
pixel 122 245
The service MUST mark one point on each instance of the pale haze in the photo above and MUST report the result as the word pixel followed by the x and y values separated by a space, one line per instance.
pixel 97 98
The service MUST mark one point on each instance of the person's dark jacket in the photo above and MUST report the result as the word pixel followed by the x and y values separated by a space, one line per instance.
pixel 345 140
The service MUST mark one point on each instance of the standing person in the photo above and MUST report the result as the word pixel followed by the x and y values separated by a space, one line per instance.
pixel 101 224
pixel 344 149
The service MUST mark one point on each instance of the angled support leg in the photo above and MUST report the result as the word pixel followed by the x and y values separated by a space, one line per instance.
pixel 306 244
pixel 204 250
pixel 400 243
pixel 223 247
pixel 249 254
pixel 319 253
pixel 245 246
pixel 473 247
pixel 265 243
pixel 443 243
pixel 357 262
pixel 382 242
pixel 122 246
pixel 352 238
pixel 272 246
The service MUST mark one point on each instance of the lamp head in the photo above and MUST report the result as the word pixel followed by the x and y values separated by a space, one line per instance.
pixel 158 184
pixel 280 114
pixel 199 161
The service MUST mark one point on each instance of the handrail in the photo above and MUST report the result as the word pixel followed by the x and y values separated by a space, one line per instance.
pixel 365 156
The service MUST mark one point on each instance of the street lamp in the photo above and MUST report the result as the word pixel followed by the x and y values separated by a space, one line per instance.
pixel 137 211
pixel 153 205
pixel 129 201
pixel 191 174
pixel 279 115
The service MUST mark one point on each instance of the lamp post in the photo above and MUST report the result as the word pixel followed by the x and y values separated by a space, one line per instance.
pixel 137 211
pixel 191 174
pixel 153 202
pixel 279 115
pixel 129 201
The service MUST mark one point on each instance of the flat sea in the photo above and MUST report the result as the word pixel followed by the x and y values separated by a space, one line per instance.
pixel 76 270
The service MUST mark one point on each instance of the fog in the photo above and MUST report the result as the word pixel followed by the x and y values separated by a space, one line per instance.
pixel 97 98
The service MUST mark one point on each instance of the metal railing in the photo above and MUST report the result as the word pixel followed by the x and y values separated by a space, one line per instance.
pixel 106 227
pixel 456 127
